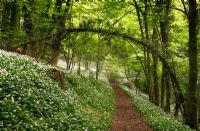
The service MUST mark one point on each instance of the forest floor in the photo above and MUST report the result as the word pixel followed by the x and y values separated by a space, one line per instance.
pixel 126 117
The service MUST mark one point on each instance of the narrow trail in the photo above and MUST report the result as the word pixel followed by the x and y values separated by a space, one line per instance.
pixel 126 117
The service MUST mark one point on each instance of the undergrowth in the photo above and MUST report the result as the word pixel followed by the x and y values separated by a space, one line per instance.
pixel 157 119
pixel 31 100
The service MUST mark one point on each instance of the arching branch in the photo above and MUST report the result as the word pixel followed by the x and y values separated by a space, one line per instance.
pixel 138 42
pixel 130 37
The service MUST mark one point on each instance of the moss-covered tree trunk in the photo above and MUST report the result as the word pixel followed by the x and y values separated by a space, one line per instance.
pixel 59 22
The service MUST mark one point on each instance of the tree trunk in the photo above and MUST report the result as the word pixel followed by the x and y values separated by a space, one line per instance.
pixel 29 49
pixel 10 22
pixel 164 28
pixel 59 22
pixel 176 108
pixel 168 94
pixel 191 118
pixel 155 69
pixel 86 65
pixel 180 101
pixel 14 23
pixel 15 16
pixel 68 58
pixel 98 58
pixel 79 65
pixel 55 57
pixel 163 96
pixel 5 27
pixel 147 55
pixel 71 63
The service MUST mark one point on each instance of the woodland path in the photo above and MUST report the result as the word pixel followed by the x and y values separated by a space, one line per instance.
pixel 126 117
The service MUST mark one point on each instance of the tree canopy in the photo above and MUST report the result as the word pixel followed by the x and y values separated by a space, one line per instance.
pixel 154 43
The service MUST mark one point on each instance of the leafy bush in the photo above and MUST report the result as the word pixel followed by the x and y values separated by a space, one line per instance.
pixel 31 100
pixel 157 119
pixel 143 85
pixel 113 77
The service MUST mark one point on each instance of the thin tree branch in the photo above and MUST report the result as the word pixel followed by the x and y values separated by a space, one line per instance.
pixel 171 7
pixel 184 6
pixel 126 13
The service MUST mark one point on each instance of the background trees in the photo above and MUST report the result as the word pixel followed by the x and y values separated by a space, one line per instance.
pixel 153 40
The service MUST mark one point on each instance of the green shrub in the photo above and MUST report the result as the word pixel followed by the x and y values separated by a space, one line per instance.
pixel 143 85
pixel 31 100
pixel 157 119
pixel 113 77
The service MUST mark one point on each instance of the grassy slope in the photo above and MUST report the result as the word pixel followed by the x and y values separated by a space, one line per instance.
pixel 30 99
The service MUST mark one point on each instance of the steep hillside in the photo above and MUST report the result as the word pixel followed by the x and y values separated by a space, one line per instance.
pixel 31 99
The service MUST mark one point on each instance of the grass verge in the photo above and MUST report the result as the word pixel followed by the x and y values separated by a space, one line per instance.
pixel 157 119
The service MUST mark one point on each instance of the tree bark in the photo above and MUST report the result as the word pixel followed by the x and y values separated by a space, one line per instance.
pixel 29 49
pixel 79 65
pixel 98 58
pixel 164 28
pixel 168 94
pixel 148 59
pixel 163 89
pixel 191 118
pixel 155 69
pixel 15 16
pixel 5 27
pixel 59 22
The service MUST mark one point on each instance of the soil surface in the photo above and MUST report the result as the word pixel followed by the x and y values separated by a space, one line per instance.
pixel 126 117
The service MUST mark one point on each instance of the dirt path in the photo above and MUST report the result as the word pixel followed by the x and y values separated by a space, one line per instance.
pixel 126 117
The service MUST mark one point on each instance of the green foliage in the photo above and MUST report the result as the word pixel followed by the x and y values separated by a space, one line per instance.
pixel 95 98
pixel 36 32
pixel 31 100
pixel 143 85
pixel 157 119
pixel 113 76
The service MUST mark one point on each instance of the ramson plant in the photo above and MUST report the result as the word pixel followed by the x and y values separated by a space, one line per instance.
pixel 157 119
pixel 31 100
